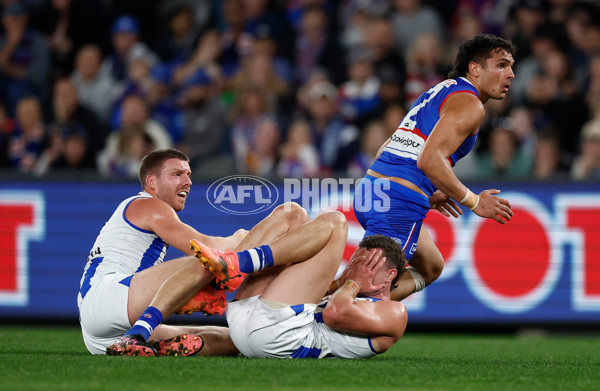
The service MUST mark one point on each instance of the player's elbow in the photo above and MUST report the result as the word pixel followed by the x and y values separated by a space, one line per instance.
pixel 335 316
pixel 425 164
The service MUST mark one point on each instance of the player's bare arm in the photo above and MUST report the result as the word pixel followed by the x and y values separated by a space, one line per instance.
pixel 369 276
pixel 155 215
pixel 459 118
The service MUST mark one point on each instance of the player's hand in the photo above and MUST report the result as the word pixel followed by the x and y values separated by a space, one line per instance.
pixel 444 204
pixel 364 269
pixel 493 207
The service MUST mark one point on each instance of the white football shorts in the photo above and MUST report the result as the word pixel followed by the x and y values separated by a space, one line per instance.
pixel 258 330
pixel 103 312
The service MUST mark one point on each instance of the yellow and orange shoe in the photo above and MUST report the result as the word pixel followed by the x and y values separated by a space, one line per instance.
pixel 183 345
pixel 208 300
pixel 223 264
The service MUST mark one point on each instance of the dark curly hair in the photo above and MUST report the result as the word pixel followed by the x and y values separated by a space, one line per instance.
pixel 478 49
pixel 392 251
pixel 155 159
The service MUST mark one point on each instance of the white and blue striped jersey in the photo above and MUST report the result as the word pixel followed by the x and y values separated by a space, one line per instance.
pixel 121 248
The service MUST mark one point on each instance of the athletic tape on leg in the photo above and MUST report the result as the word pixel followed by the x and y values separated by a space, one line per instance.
pixel 418 278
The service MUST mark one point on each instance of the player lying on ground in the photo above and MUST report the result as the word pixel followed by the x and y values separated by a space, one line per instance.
pixel 281 313
pixel 315 249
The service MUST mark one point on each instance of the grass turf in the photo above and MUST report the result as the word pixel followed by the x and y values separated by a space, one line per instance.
pixel 54 358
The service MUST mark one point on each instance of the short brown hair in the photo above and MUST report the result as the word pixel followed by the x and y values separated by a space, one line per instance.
pixel 155 159
pixel 478 49
pixel 392 251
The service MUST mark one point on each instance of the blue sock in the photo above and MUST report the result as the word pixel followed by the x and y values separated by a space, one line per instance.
pixel 146 323
pixel 255 259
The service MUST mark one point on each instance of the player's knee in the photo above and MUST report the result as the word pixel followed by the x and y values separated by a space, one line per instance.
pixel 335 219
pixel 292 213
pixel 433 270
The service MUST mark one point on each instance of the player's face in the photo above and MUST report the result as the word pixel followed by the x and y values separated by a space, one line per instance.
pixel 173 183
pixel 496 75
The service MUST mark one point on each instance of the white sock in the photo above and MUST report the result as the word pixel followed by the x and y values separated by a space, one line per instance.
pixel 418 278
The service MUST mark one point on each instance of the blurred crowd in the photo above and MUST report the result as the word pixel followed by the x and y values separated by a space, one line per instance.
pixel 299 88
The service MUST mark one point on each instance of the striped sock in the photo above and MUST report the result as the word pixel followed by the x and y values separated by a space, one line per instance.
pixel 255 259
pixel 146 323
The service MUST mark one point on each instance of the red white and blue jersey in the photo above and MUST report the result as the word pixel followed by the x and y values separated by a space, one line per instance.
pixel 399 157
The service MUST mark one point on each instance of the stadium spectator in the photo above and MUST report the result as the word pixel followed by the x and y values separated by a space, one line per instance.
pixel 7 125
pixel 412 18
pixel 373 136
pixel 179 40
pixel 424 66
pixel 586 165
pixel 549 162
pixel 299 157
pixel 126 45
pixel 29 138
pixel 262 159
pixel 316 46
pixel 504 158
pixel 336 141
pixel 24 58
pixel 250 107
pixel 556 99
pixel 68 25
pixel 359 94
pixel 388 64
pixel 137 135
pixel 96 90
pixel 69 149
pixel 204 118
pixel 69 117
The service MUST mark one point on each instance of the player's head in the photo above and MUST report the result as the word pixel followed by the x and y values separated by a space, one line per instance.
pixel 392 251
pixel 477 50
pixel 165 173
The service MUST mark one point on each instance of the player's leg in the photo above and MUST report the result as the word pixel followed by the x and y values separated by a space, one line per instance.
pixel 327 231
pixel 281 220
pixel 426 266
pixel 307 281
pixel 297 245
pixel 192 341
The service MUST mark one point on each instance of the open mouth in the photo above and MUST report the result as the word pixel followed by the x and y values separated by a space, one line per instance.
pixel 183 194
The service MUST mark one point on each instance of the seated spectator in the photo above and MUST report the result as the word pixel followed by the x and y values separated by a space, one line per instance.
pixel 424 66
pixel 69 149
pixel 586 165
pixel 299 157
pixel 29 139
pixel 137 135
pixel 95 89
pixel 359 95
pixel 7 125
pixel 504 159
pixel 68 25
pixel 372 139
pixel 336 141
pixel 250 107
pixel 70 117
pixel 181 35
pixel 204 118
pixel 124 152
pixel 24 58
pixel 263 158
pixel 548 159
pixel 126 45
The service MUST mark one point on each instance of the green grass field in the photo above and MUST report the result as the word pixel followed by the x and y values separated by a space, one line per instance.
pixel 54 358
